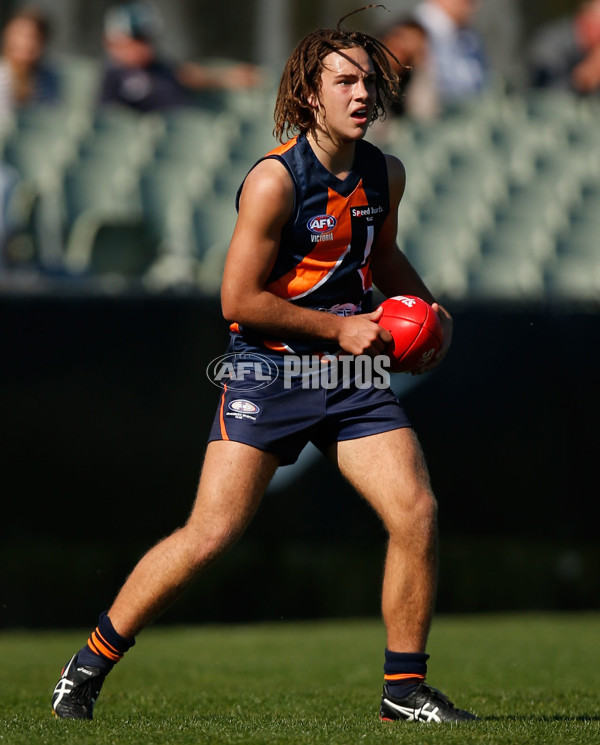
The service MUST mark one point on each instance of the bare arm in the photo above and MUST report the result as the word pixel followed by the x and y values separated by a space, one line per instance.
pixel 229 77
pixel 392 272
pixel 265 206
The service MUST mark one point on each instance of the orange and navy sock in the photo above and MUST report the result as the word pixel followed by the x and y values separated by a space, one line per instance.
pixel 403 672
pixel 105 647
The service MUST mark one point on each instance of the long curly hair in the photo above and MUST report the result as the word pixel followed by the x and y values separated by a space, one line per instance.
pixel 301 76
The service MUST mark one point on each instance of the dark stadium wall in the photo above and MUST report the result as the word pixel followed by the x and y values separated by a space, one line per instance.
pixel 104 411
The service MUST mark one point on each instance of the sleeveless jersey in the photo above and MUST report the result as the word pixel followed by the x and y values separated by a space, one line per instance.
pixel 323 258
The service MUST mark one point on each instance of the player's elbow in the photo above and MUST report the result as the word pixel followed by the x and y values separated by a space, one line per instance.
pixel 241 301
pixel 229 307
pixel 234 305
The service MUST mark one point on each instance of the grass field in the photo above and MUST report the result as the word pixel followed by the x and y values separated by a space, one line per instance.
pixel 532 679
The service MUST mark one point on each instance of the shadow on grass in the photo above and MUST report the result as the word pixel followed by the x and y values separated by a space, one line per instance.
pixel 538 718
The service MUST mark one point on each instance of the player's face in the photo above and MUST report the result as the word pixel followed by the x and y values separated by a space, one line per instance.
pixel 347 96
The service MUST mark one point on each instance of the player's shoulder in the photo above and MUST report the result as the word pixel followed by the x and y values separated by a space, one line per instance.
pixel 396 174
pixel 268 186
pixel 395 166
pixel 268 174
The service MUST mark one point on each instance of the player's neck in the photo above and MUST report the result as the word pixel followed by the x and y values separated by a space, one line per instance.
pixel 336 157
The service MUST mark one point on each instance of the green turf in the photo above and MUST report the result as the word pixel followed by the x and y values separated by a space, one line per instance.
pixel 532 679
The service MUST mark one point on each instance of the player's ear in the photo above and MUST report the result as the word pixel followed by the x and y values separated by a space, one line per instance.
pixel 313 100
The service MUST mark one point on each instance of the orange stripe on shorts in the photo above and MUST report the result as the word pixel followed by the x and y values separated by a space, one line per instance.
pixel 224 434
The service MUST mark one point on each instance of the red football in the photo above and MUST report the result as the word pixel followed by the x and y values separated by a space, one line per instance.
pixel 416 331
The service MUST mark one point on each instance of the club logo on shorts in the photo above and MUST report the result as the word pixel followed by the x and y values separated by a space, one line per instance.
pixel 321 224
pixel 241 408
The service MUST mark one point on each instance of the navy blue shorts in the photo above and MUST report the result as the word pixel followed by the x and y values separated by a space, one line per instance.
pixel 281 420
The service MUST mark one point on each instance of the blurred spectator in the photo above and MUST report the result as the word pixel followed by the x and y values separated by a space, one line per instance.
pixel 8 183
pixel 137 77
pixel 459 60
pixel 407 40
pixel 566 53
pixel 25 77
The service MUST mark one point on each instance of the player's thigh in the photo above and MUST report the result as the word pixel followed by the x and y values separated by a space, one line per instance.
pixel 389 470
pixel 233 480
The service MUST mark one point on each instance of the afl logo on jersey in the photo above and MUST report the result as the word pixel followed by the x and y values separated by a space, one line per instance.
pixel 321 224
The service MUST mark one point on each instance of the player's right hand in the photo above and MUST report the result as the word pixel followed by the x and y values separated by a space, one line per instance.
pixel 361 334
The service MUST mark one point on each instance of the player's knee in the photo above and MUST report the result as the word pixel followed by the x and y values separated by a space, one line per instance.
pixel 203 546
pixel 415 512
pixel 426 507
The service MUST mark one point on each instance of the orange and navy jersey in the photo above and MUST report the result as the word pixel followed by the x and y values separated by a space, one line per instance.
pixel 323 258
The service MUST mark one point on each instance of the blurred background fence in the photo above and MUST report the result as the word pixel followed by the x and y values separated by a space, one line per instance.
pixel 109 315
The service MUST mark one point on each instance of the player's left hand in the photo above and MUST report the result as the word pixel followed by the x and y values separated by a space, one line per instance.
pixel 447 324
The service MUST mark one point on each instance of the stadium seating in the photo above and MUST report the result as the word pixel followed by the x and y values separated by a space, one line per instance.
pixel 573 277
pixel 118 135
pixel 80 81
pixel 39 146
pixel 113 247
pixel 497 277
pixel 502 196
